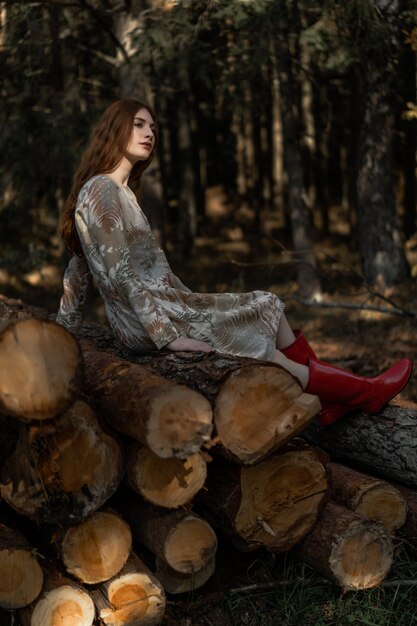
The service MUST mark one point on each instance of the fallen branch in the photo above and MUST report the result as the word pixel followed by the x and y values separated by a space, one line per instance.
pixel 350 305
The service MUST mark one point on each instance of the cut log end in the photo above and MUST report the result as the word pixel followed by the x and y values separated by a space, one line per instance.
pixel 21 578
pixel 180 422
pixel 191 546
pixel 41 369
pixel 165 482
pixel 383 503
pixel 135 599
pixel 175 582
pixel 64 606
pixel 361 556
pixel 281 498
pixel 97 549
pixel 258 409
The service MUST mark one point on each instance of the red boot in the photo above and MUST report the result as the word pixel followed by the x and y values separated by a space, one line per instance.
pixel 343 392
pixel 332 383
pixel 300 350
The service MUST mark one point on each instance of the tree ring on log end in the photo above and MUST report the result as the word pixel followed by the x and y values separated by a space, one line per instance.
pixel 280 499
pixel 381 502
pixel 258 409
pixel 166 482
pixel 64 605
pixel 21 578
pixel 97 549
pixel 361 556
pixel 190 546
pixel 40 364
pixel 134 597
pixel 180 421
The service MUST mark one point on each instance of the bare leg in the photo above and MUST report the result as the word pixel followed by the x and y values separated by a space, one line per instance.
pixel 301 372
pixel 285 337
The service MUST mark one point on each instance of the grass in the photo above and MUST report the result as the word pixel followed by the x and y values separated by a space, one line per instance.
pixel 308 599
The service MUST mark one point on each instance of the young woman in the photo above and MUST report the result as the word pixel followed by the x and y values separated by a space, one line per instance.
pixel 149 308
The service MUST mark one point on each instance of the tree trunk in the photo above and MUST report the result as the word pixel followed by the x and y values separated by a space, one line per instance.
pixel 133 597
pixel 21 576
pixel 374 499
pixel 273 504
pixel 383 258
pixel 165 482
pixel 355 552
pixel 41 369
pixel 181 538
pixel 62 602
pixel 94 550
pixel 383 445
pixel 299 213
pixel 63 471
pixel 171 419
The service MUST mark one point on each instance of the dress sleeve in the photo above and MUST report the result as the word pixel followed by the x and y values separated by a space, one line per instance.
pixel 75 283
pixel 101 222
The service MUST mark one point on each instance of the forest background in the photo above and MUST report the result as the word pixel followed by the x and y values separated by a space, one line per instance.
pixel 286 162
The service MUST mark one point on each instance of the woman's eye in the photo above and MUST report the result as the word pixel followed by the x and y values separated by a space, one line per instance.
pixel 139 124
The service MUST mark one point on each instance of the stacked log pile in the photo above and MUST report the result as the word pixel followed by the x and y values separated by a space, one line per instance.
pixel 195 445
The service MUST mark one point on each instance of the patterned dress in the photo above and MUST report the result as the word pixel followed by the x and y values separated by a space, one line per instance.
pixel 146 304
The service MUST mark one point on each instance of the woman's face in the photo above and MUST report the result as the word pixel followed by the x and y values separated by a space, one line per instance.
pixel 142 139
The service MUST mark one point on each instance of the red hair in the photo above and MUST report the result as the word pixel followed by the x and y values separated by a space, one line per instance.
pixel 108 142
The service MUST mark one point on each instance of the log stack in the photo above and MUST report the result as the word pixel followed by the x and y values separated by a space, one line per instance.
pixel 199 442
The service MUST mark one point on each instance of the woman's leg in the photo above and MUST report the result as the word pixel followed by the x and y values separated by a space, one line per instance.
pixel 285 336
pixel 299 371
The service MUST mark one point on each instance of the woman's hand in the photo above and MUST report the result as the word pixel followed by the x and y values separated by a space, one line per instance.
pixel 184 344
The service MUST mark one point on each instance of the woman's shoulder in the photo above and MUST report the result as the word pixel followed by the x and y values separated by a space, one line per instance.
pixel 97 183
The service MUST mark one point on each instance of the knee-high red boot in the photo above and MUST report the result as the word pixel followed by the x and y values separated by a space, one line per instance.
pixel 342 392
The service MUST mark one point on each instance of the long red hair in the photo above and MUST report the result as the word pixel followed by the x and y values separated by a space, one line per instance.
pixel 108 142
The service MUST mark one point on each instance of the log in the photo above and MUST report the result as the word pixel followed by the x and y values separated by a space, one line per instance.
pixel 171 419
pixel 96 549
pixel 409 529
pixel 355 552
pixel 258 406
pixel 182 539
pixel 165 482
pixel 174 582
pixel 374 499
pixel 273 504
pixel 260 409
pixel 134 597
pixel 62 471
pixel 41 369
pixel 21 576
pixel 382 445
pixel 62 603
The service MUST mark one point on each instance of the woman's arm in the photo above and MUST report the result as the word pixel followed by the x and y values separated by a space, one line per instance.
pixel 75 283
pixel 100 223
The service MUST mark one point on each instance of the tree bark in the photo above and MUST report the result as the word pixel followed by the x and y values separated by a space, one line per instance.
pixel 273 504
pixel 374 499
pixel 257 406
pixel 383 258
pixel 171 419
pixel 382 445
pixel 355 552
pixel 168 483
pixel 41 369
pixel 63 471
pixel 174 583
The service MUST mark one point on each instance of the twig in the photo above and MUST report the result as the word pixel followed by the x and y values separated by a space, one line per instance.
pixel 398 583
pixel 397 310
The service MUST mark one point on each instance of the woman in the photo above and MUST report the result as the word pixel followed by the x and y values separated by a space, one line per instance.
pixel 149 308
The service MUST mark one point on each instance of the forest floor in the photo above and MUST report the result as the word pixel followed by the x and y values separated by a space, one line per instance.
pixel 258 588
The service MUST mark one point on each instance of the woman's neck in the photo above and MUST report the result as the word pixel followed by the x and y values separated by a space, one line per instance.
pixel 122 172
